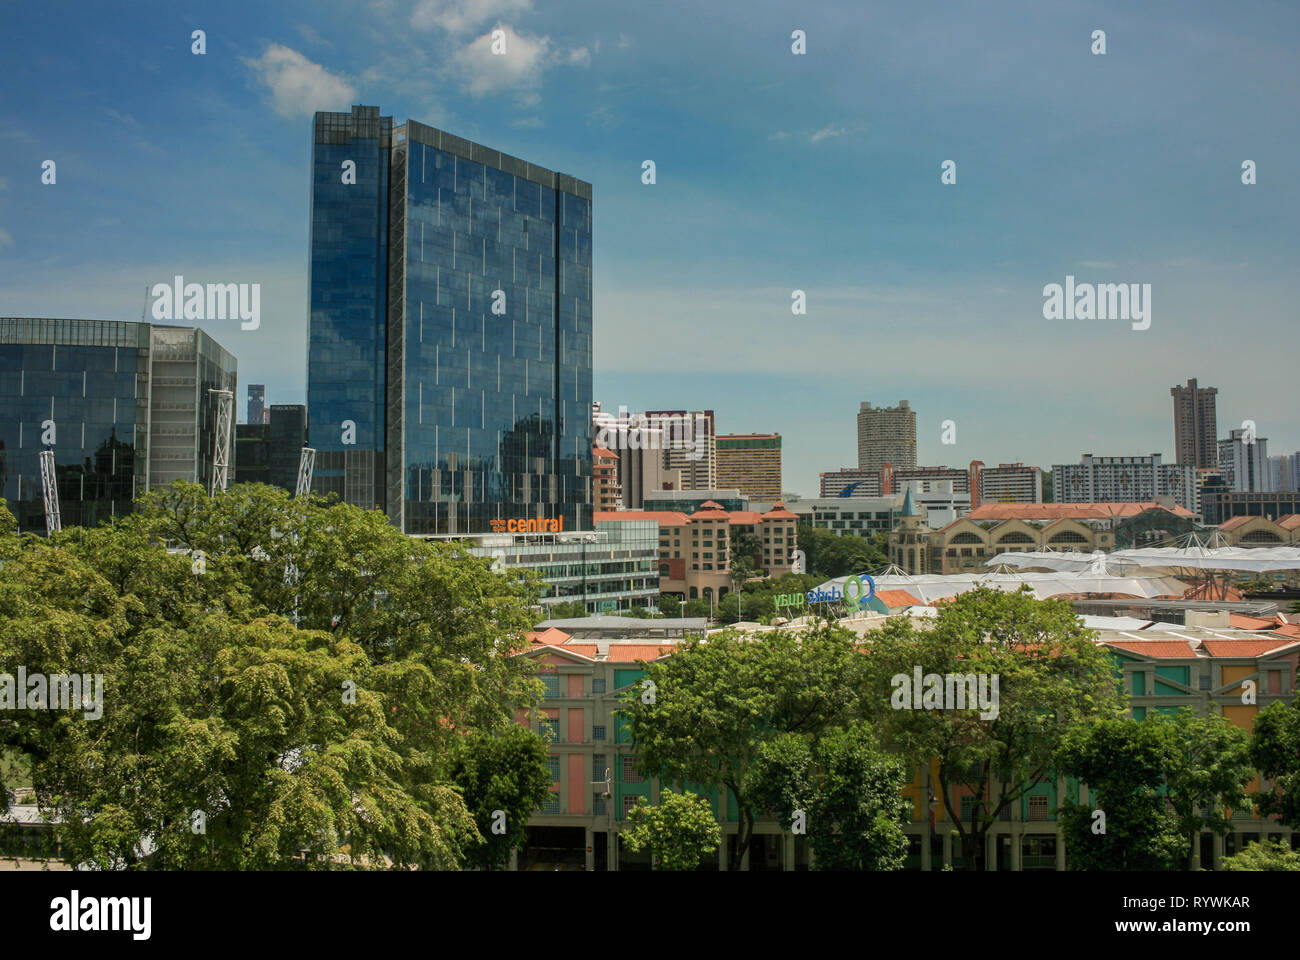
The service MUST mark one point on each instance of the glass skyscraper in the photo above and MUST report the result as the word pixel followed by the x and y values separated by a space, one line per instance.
pixel 125 407
pixel 449 341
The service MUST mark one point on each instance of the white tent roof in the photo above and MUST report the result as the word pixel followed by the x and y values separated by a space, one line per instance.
pixel 1247 559
pixel 929 587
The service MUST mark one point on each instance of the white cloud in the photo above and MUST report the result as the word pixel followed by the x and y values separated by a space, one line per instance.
pixel 461 16
pixel 298 86
pixel 577 57
pixel 5 239
pixel 827 131
pixel 779 135
pixel 518 69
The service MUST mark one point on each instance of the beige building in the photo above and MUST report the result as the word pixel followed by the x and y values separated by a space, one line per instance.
pixel 966 545
pixel 886 435
pixel 751 463
pixel 695 548
pixel 607 492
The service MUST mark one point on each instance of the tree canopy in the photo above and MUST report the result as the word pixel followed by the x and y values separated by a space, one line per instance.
pixel 283 682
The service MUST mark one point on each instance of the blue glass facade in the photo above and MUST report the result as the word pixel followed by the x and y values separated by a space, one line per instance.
pixel 485 365
pixel 84 386
pixel 346 332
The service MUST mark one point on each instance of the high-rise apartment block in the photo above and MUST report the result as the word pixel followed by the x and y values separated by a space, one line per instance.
pixel 449 335
pixel 1195 425
pixel 125 406
pixel 1008 483
pixel 1124 480
pixel 886 435
pixel 1243 462
pixel 750 462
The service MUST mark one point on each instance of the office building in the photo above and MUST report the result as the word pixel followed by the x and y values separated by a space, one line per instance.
pixel 1195 425
pixel 1124 479
pixel 750 462
pixel 690 445
pixel 860 515
pixel 125 406
pixel 257 412
pixel 689 501
pixel 449 335
pixel 639 445
pixel 886 435
pixel 1220 504
pixel 1243 463
pixel 271 452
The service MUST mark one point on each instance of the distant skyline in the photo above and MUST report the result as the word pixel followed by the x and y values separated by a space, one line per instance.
pixel 775 173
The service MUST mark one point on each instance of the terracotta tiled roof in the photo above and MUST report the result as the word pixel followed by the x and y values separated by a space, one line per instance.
pixel 710 505
pixel 710 513
pixel 1160 649
pixel 897 598
pixel 1245 648
pixel 1242 622
pixel 1054 511
pixel 1290 521
pixel 631 652
pixel 745 516
pixel 551 635
pixel 1234 523
pixel 602 452
pixel 779 512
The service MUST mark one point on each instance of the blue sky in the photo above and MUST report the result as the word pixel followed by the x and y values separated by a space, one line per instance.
pixel 775 172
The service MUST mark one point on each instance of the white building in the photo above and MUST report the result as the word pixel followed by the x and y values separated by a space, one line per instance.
pixel 1243 463
pixel 1124 480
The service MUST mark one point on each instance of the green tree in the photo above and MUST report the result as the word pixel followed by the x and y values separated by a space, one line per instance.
pixel 1210 771
pixel 1124 762
pixel 568 610
pixel 679 831
pixel 299 684
pixel 696 607
pixel 843 790
pixel 1051 678
pixel 831 554
pixel 669 605
pixel 715 703
pixel 1275 752
pixel 505 779
pixel 1274 855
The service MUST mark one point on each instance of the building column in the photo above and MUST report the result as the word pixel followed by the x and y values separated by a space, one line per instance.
pixel 514 858
pixel 611 851
pixel 991 849
pixel 589 864
pixel 1060 851
pixel 1017 843
pixel 926 833
pixel 787 852
pixel 1196 853
pixel 1218 851
pixel 947 848
pixel 722 852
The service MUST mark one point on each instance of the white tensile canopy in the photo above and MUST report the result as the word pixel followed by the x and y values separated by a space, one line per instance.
pixel 1194 557
pixel 928 587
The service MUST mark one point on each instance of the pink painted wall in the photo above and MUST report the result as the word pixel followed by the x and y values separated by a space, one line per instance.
pixel 577 782
pixel 577 726
pixel 575 684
